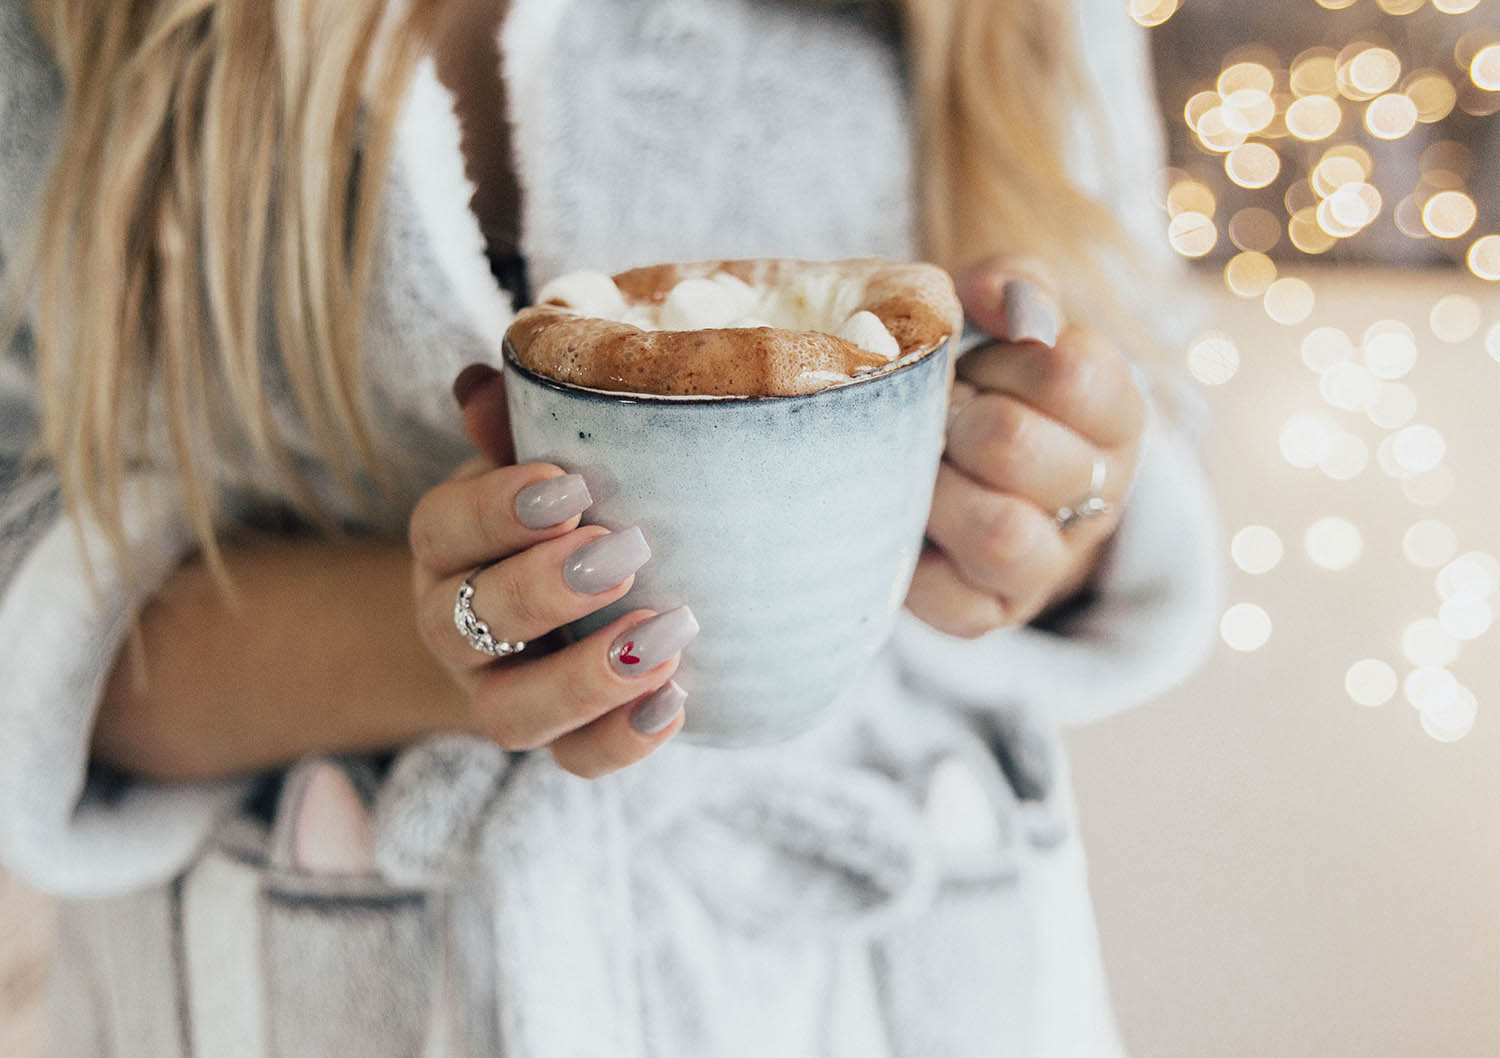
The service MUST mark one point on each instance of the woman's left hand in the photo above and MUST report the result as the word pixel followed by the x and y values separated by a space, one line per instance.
pixel 1027 419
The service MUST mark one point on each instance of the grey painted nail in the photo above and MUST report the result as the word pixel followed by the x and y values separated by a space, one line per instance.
pixel 653 641
pixel 659 710
pixel 552 501
pixel 1030 315
pixel 603 563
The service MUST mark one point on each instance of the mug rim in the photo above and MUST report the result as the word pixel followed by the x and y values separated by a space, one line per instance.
pixel 620 396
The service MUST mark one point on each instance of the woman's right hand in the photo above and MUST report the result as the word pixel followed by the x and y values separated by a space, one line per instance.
pixel 599 704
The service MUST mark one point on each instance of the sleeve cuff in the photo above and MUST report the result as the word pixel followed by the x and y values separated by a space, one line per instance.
pixel 58 642
pixel 1149 623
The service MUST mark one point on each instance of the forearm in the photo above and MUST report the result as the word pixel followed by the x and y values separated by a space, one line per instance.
pixel 321 654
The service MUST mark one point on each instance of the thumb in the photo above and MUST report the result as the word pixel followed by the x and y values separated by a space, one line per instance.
pixel 480 392
pixel 1011 298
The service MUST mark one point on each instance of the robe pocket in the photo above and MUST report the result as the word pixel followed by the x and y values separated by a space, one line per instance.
pixel 281 963
pixel 956 980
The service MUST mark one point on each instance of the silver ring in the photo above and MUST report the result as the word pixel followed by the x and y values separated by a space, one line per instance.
pixel 1091 505
pixel 475 631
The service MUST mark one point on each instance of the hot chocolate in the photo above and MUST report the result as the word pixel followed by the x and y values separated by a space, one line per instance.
pixel 735 328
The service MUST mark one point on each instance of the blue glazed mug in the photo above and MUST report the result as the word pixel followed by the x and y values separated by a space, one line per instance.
pixel 790 524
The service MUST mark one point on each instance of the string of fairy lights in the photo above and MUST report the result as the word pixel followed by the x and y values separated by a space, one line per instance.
pixel 1287 136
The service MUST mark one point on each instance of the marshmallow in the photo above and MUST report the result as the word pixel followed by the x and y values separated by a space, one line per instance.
pixel 865 330
pixel 743 295
pixel 590 293
pixel 697 304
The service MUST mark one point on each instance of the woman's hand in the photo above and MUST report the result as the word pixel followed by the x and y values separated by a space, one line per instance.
pixel 599 704
pixel 1028 416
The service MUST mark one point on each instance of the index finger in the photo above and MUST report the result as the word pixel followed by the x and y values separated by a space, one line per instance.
pixel 1083 381
pixel 465 522
pixel 1014 299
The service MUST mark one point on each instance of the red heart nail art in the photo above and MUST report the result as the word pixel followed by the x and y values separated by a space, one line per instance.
pixel 626 655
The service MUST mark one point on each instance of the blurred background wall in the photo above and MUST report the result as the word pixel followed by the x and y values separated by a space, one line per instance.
pixel 1298 852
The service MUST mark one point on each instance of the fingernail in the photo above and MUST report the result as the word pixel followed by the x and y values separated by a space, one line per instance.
pixel 659 710
pixel 1030 315
pixel 552 501
pixel 651 642
pixel 470 379
pixel 604 562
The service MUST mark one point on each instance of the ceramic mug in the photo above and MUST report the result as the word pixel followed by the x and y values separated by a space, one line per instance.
pixel 790 525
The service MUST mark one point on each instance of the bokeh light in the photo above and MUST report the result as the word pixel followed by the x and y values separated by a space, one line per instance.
pixel 1474 573
pixel 1391 116
pixel 1451 717
pixel 1337 168
pixel 1408 218
pixel 1484 257
pixel 1429 543
pixel 1256 549
pixel 1192 234
pixel 1373 70
pixel 1252 165
pixel 1468 46
pixel 1213 358
pixel 1418 448
pixel 1448 214
pixel 1152 12
pixel 1484 70
pixel 1325 346
pixel 1333 543
pixel 1390 349
pixel 1254 230
pixel 1492 342
pixel 1306 234
pixel 1455 7
pixel 1466 617
pixel 1190 196
pixel 1305 438
pixel 1432 94
pixel 1219 129
pixel 1348 386
pixel 1346 457
pixel 1455 318
pixel 1314 117
pixel 1249 274
pixel 1370 682
pixel 1289 301
pixel 1198 104
pixel 1425 643
pixel 1426 683
pixel 1245 627
pixel 1400 7
pixel 1314 72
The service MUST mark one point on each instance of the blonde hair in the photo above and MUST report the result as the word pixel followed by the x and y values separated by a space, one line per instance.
pixel 217 159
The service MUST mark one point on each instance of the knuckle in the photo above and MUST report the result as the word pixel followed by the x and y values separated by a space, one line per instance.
pixel 481 500
pixel 1006 534
pixel 1006 437
pixel 522 607
pixel 1068 371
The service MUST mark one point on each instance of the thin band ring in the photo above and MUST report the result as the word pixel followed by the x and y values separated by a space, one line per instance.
pixel 1091 504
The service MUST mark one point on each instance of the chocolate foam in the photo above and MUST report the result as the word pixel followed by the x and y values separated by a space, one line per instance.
pixel 915 302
